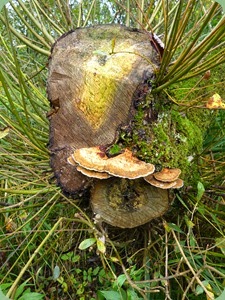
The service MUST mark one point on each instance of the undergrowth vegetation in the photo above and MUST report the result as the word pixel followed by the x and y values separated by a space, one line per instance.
pixel 50 245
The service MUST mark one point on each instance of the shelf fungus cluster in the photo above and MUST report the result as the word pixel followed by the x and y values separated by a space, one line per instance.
pixel 134 195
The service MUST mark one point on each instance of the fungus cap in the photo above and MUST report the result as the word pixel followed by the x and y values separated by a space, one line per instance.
pixel 179 184
pixel 71 161
pixel 128 203
pixel 124 165
pixel 167 174
pixel 93 174
pixel 159 184
pixel 91 158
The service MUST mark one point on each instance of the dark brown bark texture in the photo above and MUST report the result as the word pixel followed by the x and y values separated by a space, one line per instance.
pixel 95 76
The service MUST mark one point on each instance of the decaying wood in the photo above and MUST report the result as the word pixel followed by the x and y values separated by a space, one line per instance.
pixel 127 203
pixel 95 75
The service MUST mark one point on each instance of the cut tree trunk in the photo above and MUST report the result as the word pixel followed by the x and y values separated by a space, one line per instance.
pixel 96 75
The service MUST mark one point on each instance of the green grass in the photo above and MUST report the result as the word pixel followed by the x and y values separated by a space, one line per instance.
pixel 179 256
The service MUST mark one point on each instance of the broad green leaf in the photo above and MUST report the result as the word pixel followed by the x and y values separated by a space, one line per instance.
pixel 173 226
pixel 2 3
pixel 96 270
pixel 132 295
pixel 32 296
pixel 121 279
pixel 56 272
pixel 67 256
pixel 201 191
pixel 70 256
pixel 20 290
pixel 87 243
pixel 222 296
pixel 2 296
pixel 222 3
pixel 111 295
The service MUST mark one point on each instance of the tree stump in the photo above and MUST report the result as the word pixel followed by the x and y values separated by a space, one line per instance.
pixel 96 74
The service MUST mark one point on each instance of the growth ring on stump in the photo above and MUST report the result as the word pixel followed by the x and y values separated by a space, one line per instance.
pixel 128 203
pixel 95 75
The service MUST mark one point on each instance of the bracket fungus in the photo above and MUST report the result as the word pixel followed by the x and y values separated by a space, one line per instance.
pixel 93 174
pixel 124 165
pixel 166 179
pixel 167 175
pixel 128 203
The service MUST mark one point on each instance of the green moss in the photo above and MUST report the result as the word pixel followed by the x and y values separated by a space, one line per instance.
pixel 165 136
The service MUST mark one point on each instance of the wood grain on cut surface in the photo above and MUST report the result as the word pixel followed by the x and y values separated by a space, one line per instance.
pixel 128 203
pixel 93 75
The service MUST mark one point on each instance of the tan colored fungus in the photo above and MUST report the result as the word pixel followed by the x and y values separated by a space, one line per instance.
pixel 167 175
pixel 128 203
pixel 179 184
pixel 93 174
pixel 91 158
pixel 159 184
pixel 124 165
pixel 71 161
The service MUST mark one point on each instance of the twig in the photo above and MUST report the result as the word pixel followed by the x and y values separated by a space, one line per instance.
pixel 15 283
pixel 190 284
pixel 167 292
pixel 190 267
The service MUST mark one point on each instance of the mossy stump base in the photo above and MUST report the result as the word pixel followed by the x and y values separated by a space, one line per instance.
pixel 95 76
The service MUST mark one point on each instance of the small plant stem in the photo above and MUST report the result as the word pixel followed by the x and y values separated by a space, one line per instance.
pixel 36 22
pixel 80 15
pixel 132 284
pixel 140 10
pixel 188 51
pixel 190 267
pixel 164 278
pixel 31 29
pixel 89 12
pixel 214 270
pixel 190 57
pixel 33 236
pixel 128 14
pixel 167 292
pixel 40 5
pixel 15 283
pixel 25 40
pixel 169 45
pixel 190 284
pixel 193 88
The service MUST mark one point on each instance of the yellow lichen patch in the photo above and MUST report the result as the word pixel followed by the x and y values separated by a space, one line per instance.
pixel 103 74
pixel 215 102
